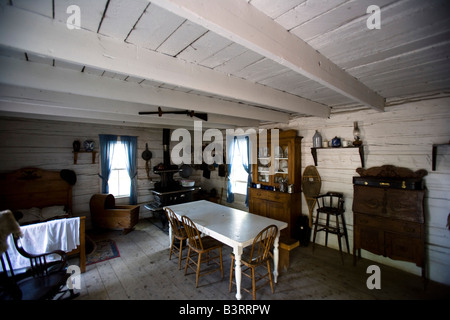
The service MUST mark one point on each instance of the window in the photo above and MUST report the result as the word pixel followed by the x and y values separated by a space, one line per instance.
pixel 238 150
pixel 238 175
pixel 119 180
pixel 118 170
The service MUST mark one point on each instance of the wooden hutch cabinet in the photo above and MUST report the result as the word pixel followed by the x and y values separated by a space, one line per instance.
pixel 388 213
pixel 274 166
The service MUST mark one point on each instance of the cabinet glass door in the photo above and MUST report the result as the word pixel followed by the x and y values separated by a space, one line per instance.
pixel 264 165
pixel 281 163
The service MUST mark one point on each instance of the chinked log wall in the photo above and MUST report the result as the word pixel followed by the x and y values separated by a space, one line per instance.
pixel 401 136
pixel 48 145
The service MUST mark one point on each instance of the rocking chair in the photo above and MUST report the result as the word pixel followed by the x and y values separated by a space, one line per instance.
pixel 44 280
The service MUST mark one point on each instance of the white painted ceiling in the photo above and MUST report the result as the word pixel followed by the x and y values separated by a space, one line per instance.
pixel 242 62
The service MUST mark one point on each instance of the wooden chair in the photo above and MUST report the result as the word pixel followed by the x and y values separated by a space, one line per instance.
pixel 258 255
pixel 178 233
pixel 43 281
pixel 202 246
pixel 331 204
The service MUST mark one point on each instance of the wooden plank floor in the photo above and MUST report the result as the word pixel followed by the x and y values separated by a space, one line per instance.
pixel 143 271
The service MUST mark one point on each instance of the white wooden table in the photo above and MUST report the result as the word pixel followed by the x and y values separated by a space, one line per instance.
pixel 233 227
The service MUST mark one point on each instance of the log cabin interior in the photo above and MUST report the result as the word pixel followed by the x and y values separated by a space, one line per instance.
pixel 356 92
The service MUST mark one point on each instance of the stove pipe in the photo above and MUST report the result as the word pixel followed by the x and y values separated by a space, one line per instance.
pixel 166 145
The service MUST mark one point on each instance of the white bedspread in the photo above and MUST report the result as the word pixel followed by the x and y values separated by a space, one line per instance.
pixel 39 238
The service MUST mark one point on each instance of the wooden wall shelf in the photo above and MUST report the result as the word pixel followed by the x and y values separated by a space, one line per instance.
pixel 360 149
pixel 75 155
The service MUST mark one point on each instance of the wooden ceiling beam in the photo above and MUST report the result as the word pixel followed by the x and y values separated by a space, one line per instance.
pixel 31 103
pixel 242 23
pixel 44 77
pixel 29 32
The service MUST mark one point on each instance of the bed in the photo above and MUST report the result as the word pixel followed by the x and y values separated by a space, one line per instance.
pixel 35 196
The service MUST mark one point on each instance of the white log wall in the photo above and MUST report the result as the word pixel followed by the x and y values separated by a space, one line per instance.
pixel 48 145
pixel 402 136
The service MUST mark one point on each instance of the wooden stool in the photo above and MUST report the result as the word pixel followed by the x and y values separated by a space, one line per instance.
pixel 286 245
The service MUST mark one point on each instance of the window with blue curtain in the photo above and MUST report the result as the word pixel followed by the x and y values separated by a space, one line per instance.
pixel 119 181
pixel 130 144
pixel 107 145
pixel 118 155
pixel 239 168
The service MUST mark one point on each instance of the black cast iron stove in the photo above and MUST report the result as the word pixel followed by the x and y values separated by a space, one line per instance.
pixel 168 191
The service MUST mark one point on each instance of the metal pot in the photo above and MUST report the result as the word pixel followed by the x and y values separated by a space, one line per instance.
pixel 146 155
pixel 186 171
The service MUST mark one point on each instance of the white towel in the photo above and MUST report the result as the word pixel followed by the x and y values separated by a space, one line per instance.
pixel 34 238
pixel 68 233
pixel 73 229
pixel 33 241
pixel 56 235
pixel 39 238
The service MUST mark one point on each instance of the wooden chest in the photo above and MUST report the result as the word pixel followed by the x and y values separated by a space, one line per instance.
pixel 389 219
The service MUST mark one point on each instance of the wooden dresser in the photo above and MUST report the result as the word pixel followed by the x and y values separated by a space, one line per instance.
pixel 388 213
pixel 279 206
